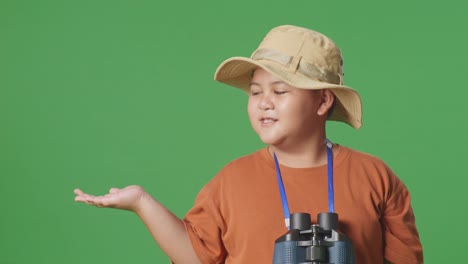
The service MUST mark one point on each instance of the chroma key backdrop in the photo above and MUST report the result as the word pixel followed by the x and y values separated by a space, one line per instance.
pixel 100 94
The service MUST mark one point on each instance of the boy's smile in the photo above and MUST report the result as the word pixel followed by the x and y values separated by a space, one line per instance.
pixel 283 115
pixel 267 121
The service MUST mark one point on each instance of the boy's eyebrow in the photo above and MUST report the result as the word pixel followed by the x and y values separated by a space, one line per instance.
pixel 278 82
pixel 253 83
pixel 272 83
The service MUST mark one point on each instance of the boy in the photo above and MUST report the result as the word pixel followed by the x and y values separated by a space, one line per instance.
pixel 295 83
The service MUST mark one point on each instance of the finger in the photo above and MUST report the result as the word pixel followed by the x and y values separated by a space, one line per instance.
pixel 79 199
pixel 80 195
pixel 84 199
pixel 105 201
pixel 87 198
pixel 78 191
pixel 114 190
pixel 98 202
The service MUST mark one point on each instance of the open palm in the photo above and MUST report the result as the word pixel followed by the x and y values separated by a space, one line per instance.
pixel 127 198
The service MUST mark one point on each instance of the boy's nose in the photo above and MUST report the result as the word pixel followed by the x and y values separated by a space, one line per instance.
pixel 266 103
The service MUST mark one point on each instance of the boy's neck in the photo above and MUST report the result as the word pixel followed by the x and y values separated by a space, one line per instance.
pixel 311 154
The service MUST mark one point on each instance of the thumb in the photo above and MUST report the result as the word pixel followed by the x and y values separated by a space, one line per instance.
pixel 114 190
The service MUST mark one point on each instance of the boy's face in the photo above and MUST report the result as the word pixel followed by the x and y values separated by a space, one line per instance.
pixel 283 115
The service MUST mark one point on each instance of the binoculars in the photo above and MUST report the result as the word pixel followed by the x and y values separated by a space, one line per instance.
pixel 319 243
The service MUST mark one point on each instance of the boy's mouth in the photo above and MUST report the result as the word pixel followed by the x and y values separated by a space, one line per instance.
pixel 267 120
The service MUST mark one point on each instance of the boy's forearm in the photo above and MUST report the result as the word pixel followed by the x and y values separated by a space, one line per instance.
pixel 167 230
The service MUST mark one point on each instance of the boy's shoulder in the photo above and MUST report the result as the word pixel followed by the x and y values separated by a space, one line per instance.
pixel 367 166
pixel 248 160
pixel 358 156
pixel 237 171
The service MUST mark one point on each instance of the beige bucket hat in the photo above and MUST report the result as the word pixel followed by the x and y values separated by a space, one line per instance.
pixel 302 58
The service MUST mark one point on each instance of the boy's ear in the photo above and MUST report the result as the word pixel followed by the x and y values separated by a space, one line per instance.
pixel 327 98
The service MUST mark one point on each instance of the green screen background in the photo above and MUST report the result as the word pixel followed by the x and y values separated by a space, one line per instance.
pixel 100 94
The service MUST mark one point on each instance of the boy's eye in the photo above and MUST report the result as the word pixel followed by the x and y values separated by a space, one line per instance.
pixel 254 92
pixel 280 92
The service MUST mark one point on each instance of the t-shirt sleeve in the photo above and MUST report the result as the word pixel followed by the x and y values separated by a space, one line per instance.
pixel 402 244
pixel 204 225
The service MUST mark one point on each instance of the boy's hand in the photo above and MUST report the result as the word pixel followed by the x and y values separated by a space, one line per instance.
pixel 128 198
pixel 165 227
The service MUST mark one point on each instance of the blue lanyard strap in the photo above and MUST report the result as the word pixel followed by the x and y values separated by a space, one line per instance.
pixel 284 199
pixel 331 191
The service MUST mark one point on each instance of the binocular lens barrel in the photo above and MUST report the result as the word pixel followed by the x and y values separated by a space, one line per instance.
pixel 328 221
pixel 300 221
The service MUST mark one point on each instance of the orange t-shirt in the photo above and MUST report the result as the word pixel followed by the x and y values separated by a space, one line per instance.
pixel 238 215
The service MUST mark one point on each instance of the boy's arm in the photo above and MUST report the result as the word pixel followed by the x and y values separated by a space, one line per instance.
pixel 402 243
pixel 166 228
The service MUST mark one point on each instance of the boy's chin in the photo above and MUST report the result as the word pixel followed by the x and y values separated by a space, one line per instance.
pixel 270 141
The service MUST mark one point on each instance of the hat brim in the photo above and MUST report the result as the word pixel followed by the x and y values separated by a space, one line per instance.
pixel 237 72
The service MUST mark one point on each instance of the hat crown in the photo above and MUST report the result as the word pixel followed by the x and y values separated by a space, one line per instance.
pixel 302 58
pixel 306 45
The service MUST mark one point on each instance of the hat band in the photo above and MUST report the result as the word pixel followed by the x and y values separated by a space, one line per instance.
pixel 297 64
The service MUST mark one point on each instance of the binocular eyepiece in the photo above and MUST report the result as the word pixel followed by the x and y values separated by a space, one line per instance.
pixel 307 243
